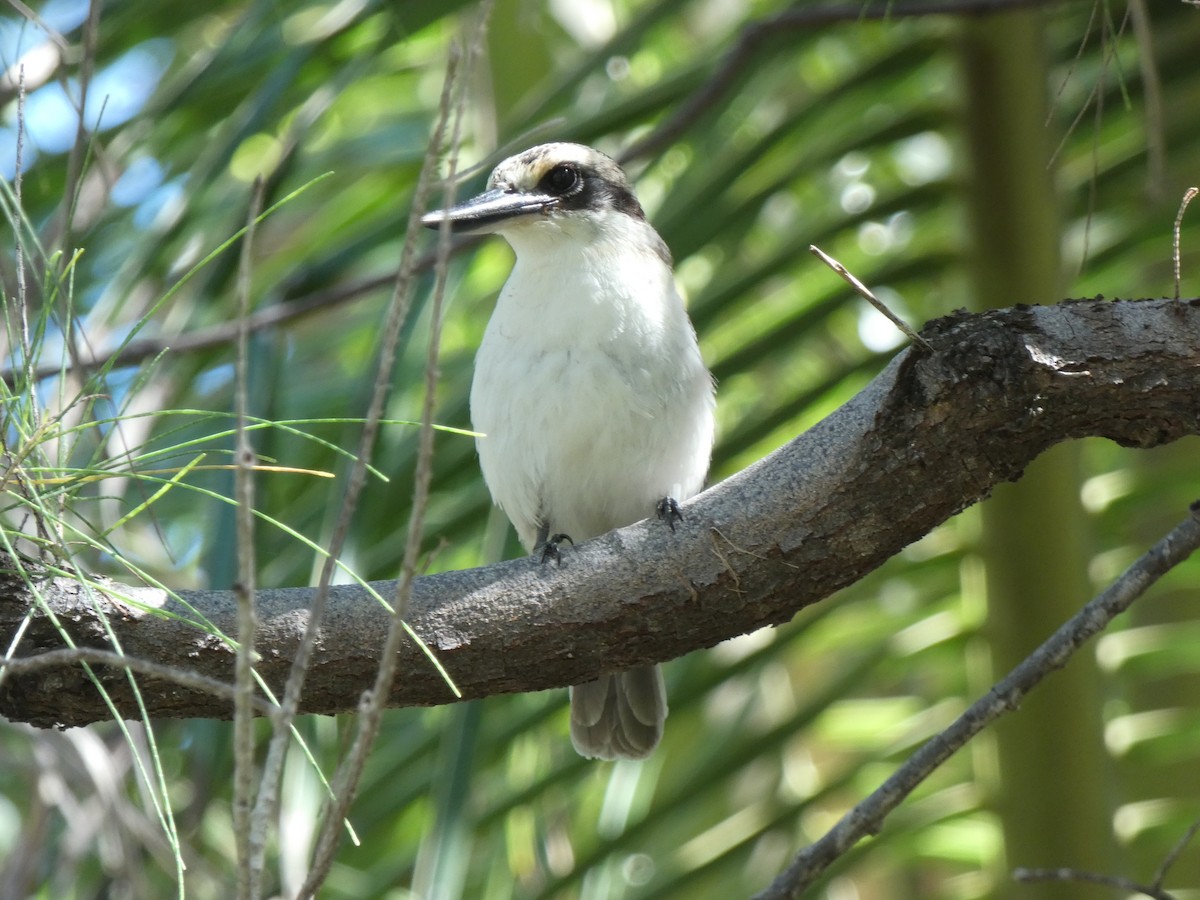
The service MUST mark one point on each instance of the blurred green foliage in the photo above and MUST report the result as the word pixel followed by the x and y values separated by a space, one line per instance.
pixel 844 134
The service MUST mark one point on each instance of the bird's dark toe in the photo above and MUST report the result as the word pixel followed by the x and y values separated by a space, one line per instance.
pixel 551 548
pixel 669 511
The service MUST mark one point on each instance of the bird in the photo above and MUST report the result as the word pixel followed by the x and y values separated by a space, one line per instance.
pixel 593 403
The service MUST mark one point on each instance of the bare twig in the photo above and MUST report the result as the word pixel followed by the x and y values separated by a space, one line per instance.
pixel 249 868
pixel 1004 697
pixel 1077 875
pixel 866 293
pixel 1169 860
pixel 1154 889
pixel 1110 47
pixel 398 309
pixel 32 15
pixel 1052 107
pixel 19 237
pixel 374 701
pixel 1188 196
pixel 75 160
pixel 1156 150
pixel 29 395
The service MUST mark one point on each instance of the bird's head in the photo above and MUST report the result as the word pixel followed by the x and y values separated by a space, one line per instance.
pixel 555 186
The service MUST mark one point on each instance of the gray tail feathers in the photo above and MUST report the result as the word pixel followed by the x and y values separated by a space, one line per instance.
pixel 619 716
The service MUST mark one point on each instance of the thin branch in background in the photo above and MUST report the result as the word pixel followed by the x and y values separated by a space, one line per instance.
pixel 249 876
pixel 1030 876
pixel 272 772
pixel 867 294
pixel 1169 860
pixel 1153 890
pixel 398 311
pixel 1070 73
pixel 222 333
pixel 1188 196
pixel 19 235
pixel 1106 57
pixel 1156 141
pixel 28 408
pixel 374 701
pixel 1110 46
pixel 75 160
pixel 1005 696
pixel 32 15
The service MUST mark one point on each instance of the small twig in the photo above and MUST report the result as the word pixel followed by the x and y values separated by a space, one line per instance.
pixel 1113 881
pixel 75 159
pixel 373 702
pixel 1154 890
pixel 397 314
pixel 249 868
pixel 1168 861
pixel 1188 196
pixel 865 292
pixel 29 394
pixel 35 19
pixel 18 234
pixel 1108 52
pixel 1004 697
pixel 1148 61
pixel 1052 107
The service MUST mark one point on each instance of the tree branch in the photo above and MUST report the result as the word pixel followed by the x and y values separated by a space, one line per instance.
pixel 931 435
pixel 1004 697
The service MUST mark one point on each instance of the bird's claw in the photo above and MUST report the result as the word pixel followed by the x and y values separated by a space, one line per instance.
pixel 669 511
pixel 549 548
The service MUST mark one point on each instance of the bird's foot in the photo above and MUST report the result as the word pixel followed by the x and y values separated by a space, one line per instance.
pixel 669 511
pixel 549 548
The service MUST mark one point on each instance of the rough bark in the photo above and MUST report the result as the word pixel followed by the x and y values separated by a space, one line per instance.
pixel 928 437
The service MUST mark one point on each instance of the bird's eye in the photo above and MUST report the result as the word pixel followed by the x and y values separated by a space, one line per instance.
pixel 561 179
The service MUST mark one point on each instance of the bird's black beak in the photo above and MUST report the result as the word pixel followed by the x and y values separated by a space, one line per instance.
pixel 489 210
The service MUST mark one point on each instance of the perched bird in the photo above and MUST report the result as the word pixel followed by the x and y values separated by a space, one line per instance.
pixel 595 405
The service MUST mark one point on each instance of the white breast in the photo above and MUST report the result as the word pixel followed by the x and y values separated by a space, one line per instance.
pixel 589 384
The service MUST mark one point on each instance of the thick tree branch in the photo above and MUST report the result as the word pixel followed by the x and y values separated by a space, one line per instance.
pixel 931 435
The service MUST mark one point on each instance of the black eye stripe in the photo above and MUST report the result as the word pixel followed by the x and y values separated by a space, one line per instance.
pixel 581 186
